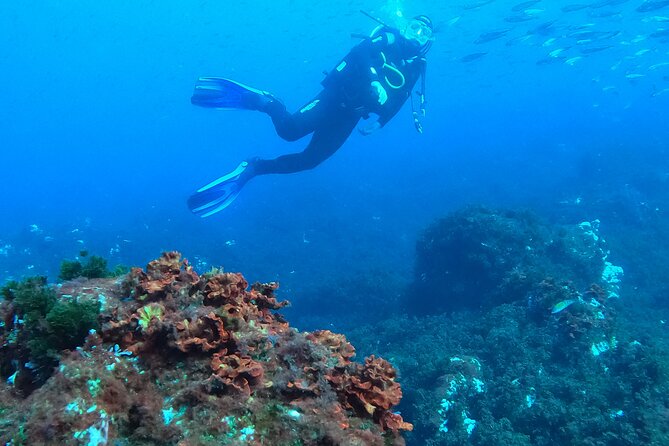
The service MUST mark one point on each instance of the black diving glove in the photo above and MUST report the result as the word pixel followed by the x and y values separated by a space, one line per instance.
pixel 370 127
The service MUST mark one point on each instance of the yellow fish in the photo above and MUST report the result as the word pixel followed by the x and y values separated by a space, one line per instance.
pixel 562 305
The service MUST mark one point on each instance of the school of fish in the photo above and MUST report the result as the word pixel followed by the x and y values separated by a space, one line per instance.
pixel 630 38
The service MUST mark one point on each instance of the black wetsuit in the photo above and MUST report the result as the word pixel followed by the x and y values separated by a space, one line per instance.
pixel 347 96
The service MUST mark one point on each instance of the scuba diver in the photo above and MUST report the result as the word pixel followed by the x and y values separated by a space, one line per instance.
pixel 375 78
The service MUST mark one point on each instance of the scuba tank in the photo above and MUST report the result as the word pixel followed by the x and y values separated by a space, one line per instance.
pixel 340 70
pixel 346 79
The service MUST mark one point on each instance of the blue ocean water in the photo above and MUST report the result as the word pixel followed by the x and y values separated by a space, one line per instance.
pixel 101 146
pixel 565 113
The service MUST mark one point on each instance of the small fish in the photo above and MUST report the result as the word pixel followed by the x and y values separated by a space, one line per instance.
pixel 642 52
pixel 572 8
pixel 477 4
pixel 454 20
pixel 660 92
pixel 12 378
pixel 492 35
pixel 634 76
pixel 582 27
pixel 652 5
pixel 525 5
pixel 556 53
pixel 563 304
pixel 595 49
pixel 655 18
pixel 605 14
pixel 549 42
pixel 593 35
pixel 571 61
pixel 524 17
pixel 660 33
pixel 472 57
pixel 658 65
pixel 543 29
pixel 548 61
pixel 604 3
pixel 517 40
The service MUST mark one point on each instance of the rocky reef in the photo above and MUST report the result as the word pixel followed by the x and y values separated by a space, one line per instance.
pixel 527 336
pixel 478 258
pixel 166 356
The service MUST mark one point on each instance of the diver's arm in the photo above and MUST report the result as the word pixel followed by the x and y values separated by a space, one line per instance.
pixel 390 109
pixel 385 113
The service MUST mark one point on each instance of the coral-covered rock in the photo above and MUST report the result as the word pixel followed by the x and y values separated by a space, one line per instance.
pixel 224 289
pixel 478 258
pixel 340 349
pixel 241 373
pixel 205 333
pixel 370 389
pixel 163 277
pixel 184 359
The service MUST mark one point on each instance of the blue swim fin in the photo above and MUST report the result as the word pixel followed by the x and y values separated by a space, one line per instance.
pixel 221 93
pixel 220 193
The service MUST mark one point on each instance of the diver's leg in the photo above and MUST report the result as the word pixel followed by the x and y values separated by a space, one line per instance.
pixel 222 93
pixel 293 126
pixel 220 193
pixel 327 139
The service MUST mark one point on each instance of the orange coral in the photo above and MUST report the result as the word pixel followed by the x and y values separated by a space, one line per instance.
pixel 224 288
pixel 164 276
pixel 228 292
pixel 394 422
pixel 262 295
pixel 375 383
pixel 370 390
pixel 339 347
pixel 239 372
pixel 207 333
pixel 168 264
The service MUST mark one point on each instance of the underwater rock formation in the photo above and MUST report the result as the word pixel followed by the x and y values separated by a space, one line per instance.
pixel 502 378
pixel 478 258
pixel 539 345
pixel 178 358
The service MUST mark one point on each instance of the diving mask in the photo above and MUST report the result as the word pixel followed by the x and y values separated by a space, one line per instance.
pixel 419 31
